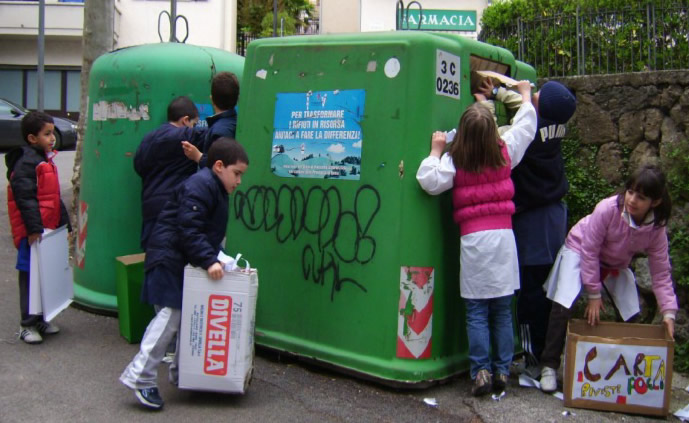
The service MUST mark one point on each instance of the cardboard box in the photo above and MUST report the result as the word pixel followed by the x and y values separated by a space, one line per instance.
pixel 133 315
pixel 618 367
pixel 216 348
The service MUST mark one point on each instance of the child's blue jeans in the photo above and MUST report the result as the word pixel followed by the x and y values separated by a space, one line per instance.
pixel 489 324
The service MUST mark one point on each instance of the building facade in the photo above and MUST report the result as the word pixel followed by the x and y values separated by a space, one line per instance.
pixel 205 22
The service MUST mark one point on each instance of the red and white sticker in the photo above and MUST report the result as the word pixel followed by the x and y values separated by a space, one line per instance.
pixel 447 74
pixel 218 335
pixel 82 220
pixel 415 319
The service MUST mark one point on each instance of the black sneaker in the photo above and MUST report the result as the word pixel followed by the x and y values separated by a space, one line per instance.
pixel 149 397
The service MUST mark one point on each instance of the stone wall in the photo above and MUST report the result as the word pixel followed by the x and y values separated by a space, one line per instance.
pixel 630 119
pixel 636 116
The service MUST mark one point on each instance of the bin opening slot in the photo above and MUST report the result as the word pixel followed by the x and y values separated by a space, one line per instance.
pixel 478 63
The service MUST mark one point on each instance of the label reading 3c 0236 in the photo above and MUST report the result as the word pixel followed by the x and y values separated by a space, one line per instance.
pixel 447 74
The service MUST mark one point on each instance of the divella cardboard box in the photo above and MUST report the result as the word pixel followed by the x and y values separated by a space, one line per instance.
pixel 216 347
pixel 620 367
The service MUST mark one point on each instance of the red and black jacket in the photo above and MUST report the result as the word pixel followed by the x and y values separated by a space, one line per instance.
pixel 33 193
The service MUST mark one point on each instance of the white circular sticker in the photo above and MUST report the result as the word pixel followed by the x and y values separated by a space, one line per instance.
pixel 392 67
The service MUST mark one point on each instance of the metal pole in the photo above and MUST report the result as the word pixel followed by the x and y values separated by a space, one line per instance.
pixel 275 18
pixel 173 19
pixel 41 55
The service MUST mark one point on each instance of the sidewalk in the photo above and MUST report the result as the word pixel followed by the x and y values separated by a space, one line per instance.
pixel 73 377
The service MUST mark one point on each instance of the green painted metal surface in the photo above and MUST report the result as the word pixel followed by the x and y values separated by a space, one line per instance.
pixel 358 266
pixel 129 90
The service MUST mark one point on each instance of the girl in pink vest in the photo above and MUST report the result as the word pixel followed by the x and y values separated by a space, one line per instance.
pixel 477 169
pixel 597 254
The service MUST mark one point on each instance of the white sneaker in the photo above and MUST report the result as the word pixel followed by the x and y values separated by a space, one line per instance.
pixel 548 380
pixel 30 335
pixel 47 328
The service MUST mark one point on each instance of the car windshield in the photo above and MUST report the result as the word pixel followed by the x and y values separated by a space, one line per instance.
pixel 15 105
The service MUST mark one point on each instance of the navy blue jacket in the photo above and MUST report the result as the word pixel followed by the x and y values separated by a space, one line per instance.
pixel 162 166
pixel 223 124
pixel 188 230
pixel 539 179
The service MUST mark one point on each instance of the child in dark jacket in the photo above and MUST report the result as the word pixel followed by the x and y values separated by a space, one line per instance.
pixel 161 163
pixel 190 229
pixel 224 95
pixel 33 200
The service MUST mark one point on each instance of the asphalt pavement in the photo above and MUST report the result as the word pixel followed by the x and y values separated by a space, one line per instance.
pixel 73 377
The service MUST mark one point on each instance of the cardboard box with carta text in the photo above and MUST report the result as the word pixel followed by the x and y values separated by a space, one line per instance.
pixel 620 367
pixel 216 348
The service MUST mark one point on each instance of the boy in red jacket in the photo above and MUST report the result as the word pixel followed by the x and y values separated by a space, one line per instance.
pixel 34 204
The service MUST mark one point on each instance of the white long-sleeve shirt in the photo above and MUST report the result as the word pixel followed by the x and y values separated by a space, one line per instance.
pixel 438 175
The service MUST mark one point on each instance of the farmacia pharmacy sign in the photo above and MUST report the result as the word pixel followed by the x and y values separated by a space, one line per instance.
pixel 442 20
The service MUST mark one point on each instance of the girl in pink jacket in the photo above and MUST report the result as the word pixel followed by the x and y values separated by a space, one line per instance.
pixel 598 251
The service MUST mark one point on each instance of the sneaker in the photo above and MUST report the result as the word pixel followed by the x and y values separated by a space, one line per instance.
pixel 149 397
pixel 482 383
pixel 500 382
pixel 548 380
pixel 30 335
pixel 47 328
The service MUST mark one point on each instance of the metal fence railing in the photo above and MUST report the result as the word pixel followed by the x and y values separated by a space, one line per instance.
pixel 631 39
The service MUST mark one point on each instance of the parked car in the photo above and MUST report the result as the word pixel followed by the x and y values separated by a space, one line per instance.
pixel 11 115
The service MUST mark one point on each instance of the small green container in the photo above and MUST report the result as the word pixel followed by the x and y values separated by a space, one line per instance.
pixel 133 315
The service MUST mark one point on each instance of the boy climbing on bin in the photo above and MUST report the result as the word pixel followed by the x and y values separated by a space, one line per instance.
pixel 161 163
pixel 224 95
pixel 189 229
pixel 34 203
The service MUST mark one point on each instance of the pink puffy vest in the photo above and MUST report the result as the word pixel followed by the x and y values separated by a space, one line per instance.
pixel 483 201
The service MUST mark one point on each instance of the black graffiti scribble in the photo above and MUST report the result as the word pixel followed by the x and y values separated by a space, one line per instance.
pixel 342 236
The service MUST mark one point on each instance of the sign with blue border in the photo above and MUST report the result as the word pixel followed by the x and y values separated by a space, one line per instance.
pixel 317 134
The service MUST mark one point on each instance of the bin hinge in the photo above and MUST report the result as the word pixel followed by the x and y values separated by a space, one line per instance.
pixel 401 169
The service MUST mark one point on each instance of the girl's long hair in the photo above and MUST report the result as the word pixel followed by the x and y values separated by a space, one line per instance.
pixel 650 181
pixel 476 144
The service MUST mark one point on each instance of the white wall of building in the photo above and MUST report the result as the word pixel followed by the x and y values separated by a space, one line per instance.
pixel 212 23
pixel 338 17
pixel 58 52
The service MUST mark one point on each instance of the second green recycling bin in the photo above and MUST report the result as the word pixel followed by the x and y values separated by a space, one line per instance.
pixel 358 265
pixel 129 91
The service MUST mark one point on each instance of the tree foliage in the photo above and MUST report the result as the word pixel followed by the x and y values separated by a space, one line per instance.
pixel 256 16
pixel 563 37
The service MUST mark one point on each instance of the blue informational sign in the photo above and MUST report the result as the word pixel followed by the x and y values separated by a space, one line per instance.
pixel 205 110
pixel 317 134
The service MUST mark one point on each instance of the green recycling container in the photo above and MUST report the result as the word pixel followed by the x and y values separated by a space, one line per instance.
pixel 359 267
pixel 129 91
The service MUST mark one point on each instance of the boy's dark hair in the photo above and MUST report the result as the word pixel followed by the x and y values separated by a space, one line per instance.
pixel 225 90
pixel 649 180
pixel 180 107
pixel 227 150
pixel 33 122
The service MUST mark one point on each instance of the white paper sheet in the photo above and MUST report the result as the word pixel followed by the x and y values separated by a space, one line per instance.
pixel 50 271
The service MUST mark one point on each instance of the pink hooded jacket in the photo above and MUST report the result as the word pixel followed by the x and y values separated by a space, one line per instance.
pixel 604 239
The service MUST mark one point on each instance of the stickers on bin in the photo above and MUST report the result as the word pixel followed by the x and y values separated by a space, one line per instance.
pixel 317 134
pixel 447 74
pixel 415 318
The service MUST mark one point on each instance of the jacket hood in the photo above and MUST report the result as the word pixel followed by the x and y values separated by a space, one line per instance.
pixel 11 159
